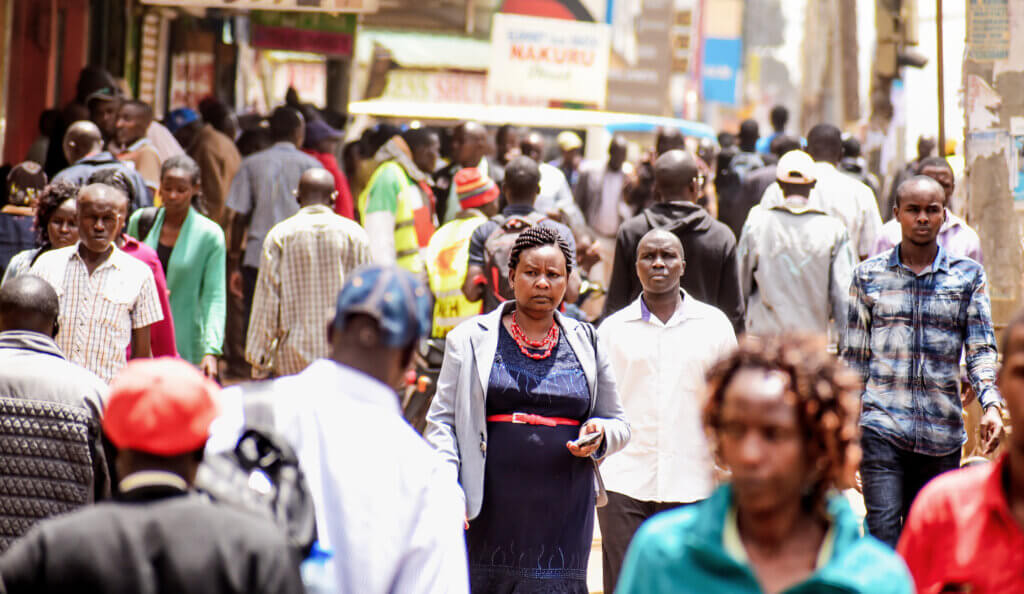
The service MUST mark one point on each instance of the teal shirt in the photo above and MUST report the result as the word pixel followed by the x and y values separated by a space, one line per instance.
pixel 196 282
pixel 682 551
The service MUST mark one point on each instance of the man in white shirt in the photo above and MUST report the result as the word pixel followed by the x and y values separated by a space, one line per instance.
pixel 108 299
pixel 661 347
pixel 836 193
pixel 386 509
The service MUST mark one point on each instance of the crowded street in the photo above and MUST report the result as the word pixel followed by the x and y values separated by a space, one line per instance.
pixel 511 296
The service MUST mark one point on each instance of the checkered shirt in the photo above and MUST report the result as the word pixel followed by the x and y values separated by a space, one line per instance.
pixel 306 259
pixel 99 311
pixel 904 337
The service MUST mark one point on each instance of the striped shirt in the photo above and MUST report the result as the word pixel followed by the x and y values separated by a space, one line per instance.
pixel 98 311
pixel 904 337
pixel 306 259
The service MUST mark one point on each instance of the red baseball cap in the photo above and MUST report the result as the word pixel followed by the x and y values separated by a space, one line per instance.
pixel 160 406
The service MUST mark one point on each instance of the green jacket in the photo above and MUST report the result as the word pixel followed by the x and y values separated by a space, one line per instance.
pixel 196 282
pixel 682 551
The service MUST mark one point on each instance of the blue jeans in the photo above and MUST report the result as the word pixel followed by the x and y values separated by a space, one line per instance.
pixel 891 478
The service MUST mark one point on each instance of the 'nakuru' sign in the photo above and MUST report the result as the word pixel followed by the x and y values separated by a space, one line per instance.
pixel 547 61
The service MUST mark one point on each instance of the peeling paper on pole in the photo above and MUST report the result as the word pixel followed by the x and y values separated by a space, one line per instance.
pixel 982 103
pixel 987 143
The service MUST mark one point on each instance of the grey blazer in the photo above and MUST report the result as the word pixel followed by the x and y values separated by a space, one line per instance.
pixel 456 422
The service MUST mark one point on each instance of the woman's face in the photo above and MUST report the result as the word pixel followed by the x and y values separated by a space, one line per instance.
pixel 760 441
pixel 539 280
pixel 63 226
pixel 177 189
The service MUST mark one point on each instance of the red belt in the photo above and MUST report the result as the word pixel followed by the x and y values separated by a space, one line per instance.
pixel 529 419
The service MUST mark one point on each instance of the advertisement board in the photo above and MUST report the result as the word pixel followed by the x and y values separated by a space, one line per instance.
pixel 547 61
pixel 722 58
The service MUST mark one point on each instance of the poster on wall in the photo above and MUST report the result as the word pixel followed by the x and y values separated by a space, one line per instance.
pixel 543 61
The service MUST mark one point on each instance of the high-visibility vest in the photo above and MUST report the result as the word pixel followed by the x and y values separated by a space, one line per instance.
pixel 413 224
pixel 447 259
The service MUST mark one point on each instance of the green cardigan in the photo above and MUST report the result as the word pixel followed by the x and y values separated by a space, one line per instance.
pixel 196 282
pixel 683 551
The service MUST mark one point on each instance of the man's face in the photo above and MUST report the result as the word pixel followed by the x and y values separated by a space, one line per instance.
pixel 921 213
pixel 659 265
pixel 425 157
pixel 131 124
pixel 458 139
pixel 944 177
pixel 472 150
pixel 509 145
pixel 99 218
pixel 760 441
pixel 104 115
pixel 532 146
pixel 1011 383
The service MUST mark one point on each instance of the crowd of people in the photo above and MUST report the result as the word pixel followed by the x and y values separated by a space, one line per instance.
pixel 467 346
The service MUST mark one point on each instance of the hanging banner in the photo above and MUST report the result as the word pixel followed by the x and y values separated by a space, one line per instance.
pixel 303 5
pixel 312 32
pixel 547 61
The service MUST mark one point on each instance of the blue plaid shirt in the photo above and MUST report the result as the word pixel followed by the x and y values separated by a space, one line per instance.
pixel 904 338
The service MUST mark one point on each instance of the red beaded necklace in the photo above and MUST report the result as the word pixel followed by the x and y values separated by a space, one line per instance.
pixel 525 344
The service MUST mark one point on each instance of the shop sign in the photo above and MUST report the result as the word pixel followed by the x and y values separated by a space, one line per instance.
pixel 192 75
pixel 313 32
pixel 548 60
pixel 436 87
pixel 721 67
pixel 303 5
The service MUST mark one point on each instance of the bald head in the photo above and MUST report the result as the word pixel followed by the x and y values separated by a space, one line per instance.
pixel 28 302
pixel 532 145
pixel 316 186
pixel 659 235
pixel 675 176
pixel 82 139
pixel 923 186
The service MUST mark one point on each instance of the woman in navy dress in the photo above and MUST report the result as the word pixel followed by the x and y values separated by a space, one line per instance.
pixel 533 530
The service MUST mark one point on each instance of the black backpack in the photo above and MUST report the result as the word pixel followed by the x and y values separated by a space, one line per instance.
pixel 261 474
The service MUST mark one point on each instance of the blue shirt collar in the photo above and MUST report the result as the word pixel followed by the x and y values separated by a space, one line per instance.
pixel 941 261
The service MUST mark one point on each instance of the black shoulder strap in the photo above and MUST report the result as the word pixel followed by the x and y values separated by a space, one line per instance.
pixel 147 216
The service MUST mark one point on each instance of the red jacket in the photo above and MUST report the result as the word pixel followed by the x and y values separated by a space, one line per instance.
pixel 961 535
pixel 343 205
pixel 161 334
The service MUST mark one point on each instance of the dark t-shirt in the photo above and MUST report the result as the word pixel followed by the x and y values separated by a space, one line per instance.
pixel 476 242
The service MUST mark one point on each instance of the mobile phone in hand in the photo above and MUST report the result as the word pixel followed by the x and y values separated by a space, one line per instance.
pixel 588 439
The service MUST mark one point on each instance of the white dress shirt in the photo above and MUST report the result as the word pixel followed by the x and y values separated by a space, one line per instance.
pixel 385 507
pixel 660 370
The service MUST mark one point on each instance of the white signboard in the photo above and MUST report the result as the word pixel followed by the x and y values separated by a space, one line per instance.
pixel 303 5
pixel 547 61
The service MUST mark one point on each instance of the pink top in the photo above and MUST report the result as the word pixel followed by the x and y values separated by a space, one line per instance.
pixel 161 334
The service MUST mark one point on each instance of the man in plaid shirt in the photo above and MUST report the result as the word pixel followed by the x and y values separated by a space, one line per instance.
pixel 913 310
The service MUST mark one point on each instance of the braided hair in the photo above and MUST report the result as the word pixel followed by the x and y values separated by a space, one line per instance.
pixel 824 391
pixel 52 196
pixel 535 237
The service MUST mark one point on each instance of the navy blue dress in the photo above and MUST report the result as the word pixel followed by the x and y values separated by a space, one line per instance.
pixel 536 525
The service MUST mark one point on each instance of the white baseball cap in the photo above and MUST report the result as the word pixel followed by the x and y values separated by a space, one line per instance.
pixel 795 167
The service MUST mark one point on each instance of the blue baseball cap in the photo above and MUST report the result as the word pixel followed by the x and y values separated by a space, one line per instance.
pixel 394 297
pixel 181 117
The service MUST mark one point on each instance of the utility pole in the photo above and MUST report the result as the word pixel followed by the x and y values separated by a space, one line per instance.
pixel 993 77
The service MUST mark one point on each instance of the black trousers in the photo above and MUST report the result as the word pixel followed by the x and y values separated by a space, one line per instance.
pixel 619 521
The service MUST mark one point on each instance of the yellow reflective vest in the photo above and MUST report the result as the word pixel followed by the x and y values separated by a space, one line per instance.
pixel 391 189
pixel 447 259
